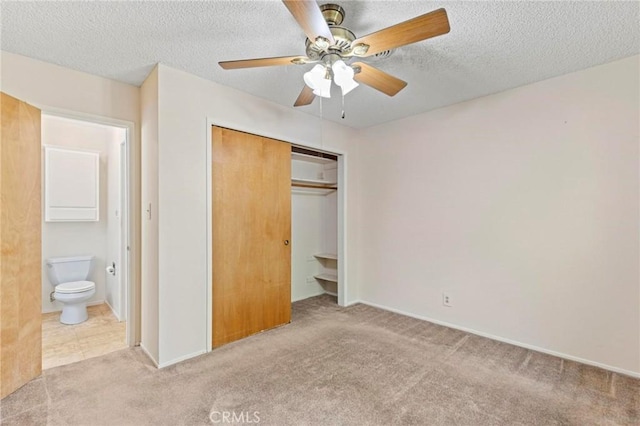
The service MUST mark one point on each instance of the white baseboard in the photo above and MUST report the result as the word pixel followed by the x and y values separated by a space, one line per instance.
pixel 148 354
pixel 113 310
pixel 180 359
pixel 505 340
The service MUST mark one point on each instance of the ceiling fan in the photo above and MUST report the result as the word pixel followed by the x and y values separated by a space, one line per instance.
pixel 333 48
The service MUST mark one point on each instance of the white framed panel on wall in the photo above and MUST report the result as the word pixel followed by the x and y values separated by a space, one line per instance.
pixel 71 182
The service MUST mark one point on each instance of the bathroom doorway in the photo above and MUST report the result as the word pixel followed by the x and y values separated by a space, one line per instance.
pixel 85 218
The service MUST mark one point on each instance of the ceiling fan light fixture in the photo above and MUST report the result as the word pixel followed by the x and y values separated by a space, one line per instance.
pixel 323 89
pixel 313 78
pixel 343 76
pixel 348 86
pixel 317 81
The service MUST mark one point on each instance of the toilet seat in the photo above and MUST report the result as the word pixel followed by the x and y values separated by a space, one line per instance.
pixel 75 287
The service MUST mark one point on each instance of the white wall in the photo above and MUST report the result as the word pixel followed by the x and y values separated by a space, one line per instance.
pixel 307 234
pixel 54 87
pixel 330 235
pixel 308 230
pixel 150 317
pixel 523 205
pixel 186 103
pixel 64 239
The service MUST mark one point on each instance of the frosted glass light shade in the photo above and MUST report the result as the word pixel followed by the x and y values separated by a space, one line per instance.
pixel 316 80
pixel 315 76
pixel 343 76
pixel 323 89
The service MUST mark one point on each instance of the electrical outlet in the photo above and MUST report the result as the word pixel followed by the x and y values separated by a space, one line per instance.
pixel 446 299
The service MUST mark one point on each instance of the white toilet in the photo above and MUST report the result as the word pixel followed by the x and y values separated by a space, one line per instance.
pixel 68 276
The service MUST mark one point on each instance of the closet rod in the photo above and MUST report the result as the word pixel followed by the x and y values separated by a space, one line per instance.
pixel 305 185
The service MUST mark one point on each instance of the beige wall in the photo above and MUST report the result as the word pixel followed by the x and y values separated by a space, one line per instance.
pixel 523 205
pixel 186 103
pixel 149 136
pixel 52 87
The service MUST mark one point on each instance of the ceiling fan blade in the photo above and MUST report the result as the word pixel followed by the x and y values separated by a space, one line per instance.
pixel 420 28
pixel 378 79
pixel 264 62
pixel 309 17
pixel 305 97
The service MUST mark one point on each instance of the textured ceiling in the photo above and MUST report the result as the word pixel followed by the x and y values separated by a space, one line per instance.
pixel 492 46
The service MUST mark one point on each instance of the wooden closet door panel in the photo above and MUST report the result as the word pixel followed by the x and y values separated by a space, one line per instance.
pixel 277 285
pixel 251 222
pixel 20 245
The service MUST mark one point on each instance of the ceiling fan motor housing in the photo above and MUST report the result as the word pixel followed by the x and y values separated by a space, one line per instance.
pixel 343 38
pixel 332 13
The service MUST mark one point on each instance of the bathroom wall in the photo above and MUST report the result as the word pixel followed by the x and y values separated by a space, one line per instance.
pixel 61 239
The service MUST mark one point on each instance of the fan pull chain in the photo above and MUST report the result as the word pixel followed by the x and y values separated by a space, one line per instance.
pixel 343 106
pixel 321 123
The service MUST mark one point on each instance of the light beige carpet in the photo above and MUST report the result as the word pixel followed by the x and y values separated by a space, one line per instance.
pixel 331 366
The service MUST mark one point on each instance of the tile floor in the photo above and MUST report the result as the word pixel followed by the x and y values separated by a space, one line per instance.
pixel 64 344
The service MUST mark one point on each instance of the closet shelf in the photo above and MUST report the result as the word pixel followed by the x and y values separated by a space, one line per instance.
pixel 311 158
pixel 327 277
pixel 326 256
pixel 312 181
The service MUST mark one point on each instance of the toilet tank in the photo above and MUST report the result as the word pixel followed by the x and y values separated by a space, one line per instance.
pixel 67 269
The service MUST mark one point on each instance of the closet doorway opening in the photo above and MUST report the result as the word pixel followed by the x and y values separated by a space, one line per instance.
pixel 315 188
pixel 315 185
pixel 85 238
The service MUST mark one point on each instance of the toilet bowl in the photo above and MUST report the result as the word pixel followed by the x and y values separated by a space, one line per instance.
pixel 74 296
pixel 68 276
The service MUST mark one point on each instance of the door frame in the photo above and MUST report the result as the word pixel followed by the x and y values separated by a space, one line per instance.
pixel 125 228
pixel 305 142
pixel 133 304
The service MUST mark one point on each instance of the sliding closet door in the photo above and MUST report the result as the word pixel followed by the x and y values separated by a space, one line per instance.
pixel 20 246
pixel 251 234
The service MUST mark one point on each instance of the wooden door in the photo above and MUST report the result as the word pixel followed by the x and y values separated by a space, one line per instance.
pixel 251 234
pixel 20 245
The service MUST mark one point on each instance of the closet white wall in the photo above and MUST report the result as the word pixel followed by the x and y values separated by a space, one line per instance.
pixel 314 218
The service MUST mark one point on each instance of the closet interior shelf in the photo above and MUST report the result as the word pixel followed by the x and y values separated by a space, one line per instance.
pixel 313 183
pixel 311 158
pixel 327 277
pixel 331 256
